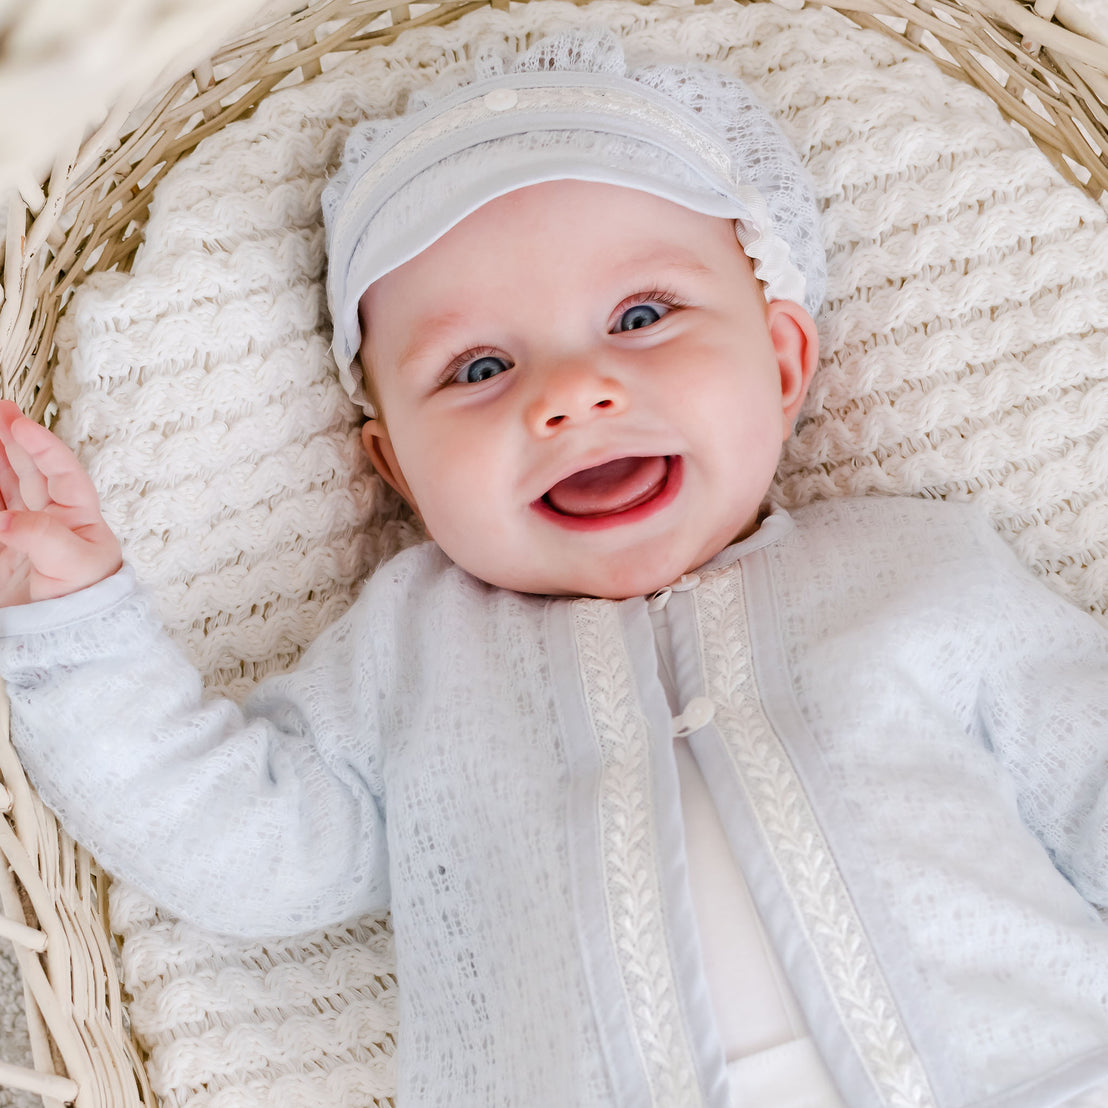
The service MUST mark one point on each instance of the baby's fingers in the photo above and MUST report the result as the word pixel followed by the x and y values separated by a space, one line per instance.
pixel 42 470
pixel 13 458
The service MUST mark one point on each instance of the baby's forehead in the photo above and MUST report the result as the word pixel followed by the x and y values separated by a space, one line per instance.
pixel 593 235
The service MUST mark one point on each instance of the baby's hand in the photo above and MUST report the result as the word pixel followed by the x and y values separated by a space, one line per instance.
pixel 53 539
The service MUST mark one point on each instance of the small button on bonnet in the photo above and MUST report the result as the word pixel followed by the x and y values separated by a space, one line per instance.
pixel 501 99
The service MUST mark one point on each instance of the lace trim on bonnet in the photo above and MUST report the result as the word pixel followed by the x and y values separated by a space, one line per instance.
pixel 571 102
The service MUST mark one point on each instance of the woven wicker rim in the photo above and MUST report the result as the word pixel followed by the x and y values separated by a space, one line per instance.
pixel 1045 65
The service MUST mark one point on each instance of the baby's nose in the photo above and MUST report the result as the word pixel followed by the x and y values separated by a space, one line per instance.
pixel 573 394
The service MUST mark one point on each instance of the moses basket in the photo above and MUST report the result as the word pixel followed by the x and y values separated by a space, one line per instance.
pixel 1045 65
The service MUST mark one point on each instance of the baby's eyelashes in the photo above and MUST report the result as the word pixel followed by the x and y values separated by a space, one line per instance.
pixel 475 366
pixel 643 310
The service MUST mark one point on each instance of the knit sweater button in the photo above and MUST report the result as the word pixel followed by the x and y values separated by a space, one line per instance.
pixel 501 99
pixel 699 712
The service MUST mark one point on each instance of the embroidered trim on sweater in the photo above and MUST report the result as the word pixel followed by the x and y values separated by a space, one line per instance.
pixel 796 842
pixel 631 878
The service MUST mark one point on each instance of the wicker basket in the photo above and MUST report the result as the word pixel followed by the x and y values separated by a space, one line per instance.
pixel 1046 67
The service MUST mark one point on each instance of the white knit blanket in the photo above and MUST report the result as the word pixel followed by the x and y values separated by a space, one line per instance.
pixel 966 356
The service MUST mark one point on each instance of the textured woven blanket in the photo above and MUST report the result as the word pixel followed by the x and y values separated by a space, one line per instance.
pixel 966 356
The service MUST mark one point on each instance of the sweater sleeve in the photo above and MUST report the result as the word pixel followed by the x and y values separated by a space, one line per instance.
pixel 262 820
pixel 1045 708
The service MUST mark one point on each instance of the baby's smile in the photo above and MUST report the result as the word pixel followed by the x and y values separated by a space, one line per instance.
pixel 624 490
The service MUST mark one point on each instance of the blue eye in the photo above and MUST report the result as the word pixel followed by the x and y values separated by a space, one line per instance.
pixel 639 315
pixel 481 369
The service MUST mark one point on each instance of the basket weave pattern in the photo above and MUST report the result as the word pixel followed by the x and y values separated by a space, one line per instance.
pixel 90 216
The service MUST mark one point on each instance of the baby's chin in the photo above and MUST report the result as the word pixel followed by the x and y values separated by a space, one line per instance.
pixel 621 579
pixel 613 564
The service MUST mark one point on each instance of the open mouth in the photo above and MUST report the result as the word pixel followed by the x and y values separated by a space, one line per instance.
pixel 620 491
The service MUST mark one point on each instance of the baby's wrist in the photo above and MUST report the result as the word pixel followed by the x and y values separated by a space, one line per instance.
pixel 50 613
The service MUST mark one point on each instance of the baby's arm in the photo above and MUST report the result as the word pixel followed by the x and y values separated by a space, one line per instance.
pixel 1045 706
pixel 263 820
pixel 53 539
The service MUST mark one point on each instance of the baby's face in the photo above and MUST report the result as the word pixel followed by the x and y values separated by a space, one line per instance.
pixel 582 389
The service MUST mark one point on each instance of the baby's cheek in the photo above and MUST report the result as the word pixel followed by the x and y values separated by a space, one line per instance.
pixel 448 521
pixel 456 478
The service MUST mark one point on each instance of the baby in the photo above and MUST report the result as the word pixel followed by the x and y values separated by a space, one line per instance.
pixel 675 798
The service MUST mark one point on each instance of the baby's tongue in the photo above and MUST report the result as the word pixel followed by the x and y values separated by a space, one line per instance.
pixel 611 487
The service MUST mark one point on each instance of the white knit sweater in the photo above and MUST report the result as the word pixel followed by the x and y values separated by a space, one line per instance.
pixel 907 745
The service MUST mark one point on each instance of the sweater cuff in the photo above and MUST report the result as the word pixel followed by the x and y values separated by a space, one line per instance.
pixel 51 615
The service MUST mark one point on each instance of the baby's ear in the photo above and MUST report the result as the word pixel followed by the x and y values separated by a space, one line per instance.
pixel 378 445
pixel 796 344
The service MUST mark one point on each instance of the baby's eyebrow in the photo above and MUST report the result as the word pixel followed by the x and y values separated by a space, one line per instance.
pixel 669 258
pixel 432 334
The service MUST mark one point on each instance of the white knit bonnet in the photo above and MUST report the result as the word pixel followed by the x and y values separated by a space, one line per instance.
pixel 569 108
